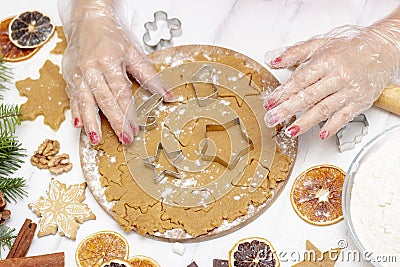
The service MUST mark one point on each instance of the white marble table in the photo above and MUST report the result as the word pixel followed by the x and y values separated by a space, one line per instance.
pixel 247 26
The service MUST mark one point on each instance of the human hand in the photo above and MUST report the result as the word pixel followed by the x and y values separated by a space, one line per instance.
pixel 339 75
pixel 99 54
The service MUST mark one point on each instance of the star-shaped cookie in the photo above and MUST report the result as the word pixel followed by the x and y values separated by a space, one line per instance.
pixel 46 96
pixel 315 258
pixel 62 209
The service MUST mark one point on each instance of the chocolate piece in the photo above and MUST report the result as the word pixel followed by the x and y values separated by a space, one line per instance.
pixel 220 263
pixel 193 264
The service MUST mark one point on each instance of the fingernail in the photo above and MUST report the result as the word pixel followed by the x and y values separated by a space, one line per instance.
pixel 292 131
pixel 276 61
pixel 126 139
pixel 77 122
pixel 271 119
pixel 323 135
pixel 269 103
pixel 168 95
pixel 94 138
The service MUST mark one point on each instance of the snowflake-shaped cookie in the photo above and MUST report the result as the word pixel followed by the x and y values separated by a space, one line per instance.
pixel 62 209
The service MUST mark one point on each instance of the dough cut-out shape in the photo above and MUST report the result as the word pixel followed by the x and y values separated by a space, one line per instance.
pixel 62 209
pixel 209 153
pixel 46 96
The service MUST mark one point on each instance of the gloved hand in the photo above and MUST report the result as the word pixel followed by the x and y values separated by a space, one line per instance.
pixel 100 52
pixel 338 76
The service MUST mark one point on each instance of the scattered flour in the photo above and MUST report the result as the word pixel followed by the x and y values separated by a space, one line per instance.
pixel 375 201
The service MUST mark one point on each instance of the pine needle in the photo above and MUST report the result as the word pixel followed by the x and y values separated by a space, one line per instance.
pixel 13 188
pixel 5 76
pixel 7 237
pixel 9 118
pixel 11 153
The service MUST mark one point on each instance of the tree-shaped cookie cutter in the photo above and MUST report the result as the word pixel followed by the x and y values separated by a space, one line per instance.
pixel 205 151
pixel 173 157
pixel 205 74
pixel 344 146
pixel 174 26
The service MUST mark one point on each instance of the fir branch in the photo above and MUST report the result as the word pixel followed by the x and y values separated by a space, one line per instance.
pixel 9 118
pixel 13 188
pixel 5 76
pixel 11 153
pixel 7 237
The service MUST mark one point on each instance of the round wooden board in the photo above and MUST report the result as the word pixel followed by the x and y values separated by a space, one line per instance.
pixel 284 147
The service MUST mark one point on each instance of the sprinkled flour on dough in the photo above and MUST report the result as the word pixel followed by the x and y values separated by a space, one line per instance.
pixel 375 201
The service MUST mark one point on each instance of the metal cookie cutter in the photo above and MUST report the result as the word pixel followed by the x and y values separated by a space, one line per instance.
pixel 343 146
pixel 209 153
pixel 146 118
pixel 174 27
pixel 205 75
pixel 173 157
pixel 348 145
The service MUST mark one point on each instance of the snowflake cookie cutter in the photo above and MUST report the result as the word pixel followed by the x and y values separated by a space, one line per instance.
pixel 205 75
pixel 344 146
pixel 173 157
pixel 208 153
pixel 145 112
pixel 174 26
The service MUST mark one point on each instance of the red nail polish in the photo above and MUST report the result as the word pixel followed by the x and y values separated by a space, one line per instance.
pixel 126 139
pixel 270 103
pixel 293 130
pixel 94 138
pixel 77 122
pixel 323 135
pixel 276 61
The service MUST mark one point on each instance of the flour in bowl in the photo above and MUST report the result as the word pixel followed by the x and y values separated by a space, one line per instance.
pixel 375 203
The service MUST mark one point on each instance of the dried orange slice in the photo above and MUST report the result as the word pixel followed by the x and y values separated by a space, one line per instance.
pixel 101 247
pixel 117 263
pixel 142 261
pixel 316 194
pixel 253 251
pixel 30 29
pixel 9 51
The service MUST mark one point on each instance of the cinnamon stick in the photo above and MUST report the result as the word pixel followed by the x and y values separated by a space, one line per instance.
pixel 23 241
pixel 47 260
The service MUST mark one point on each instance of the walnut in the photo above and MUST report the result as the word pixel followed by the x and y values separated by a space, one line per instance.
pixel 4 214
pixel 59 164
pixel 40 161
pixel 46 157
pixel 48 148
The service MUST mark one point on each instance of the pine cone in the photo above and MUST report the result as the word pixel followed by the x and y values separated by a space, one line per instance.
pixel 4 214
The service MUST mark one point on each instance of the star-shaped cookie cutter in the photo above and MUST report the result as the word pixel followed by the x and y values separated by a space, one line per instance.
pixel 205 153
pixel 146 118
pixel 173 156
pixel 174 26
pixel 205 74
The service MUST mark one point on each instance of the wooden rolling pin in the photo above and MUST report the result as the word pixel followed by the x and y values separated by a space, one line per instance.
pixel 389 99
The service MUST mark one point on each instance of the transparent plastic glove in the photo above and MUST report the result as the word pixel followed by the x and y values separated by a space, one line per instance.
pixel 338 76
pixel 100 52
